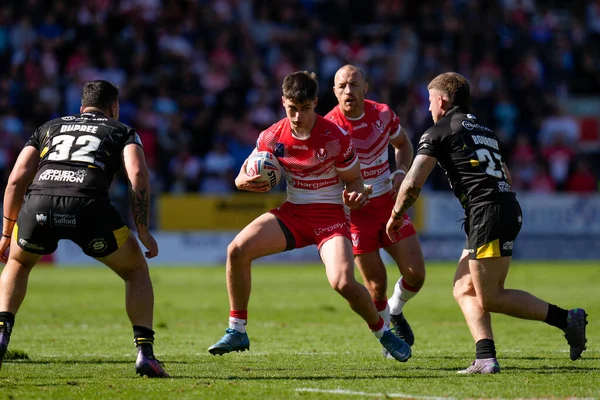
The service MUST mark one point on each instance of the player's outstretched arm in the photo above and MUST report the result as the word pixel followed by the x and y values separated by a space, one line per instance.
pixel 139 195
pixel 21 176
pixel 409 191
pixel 245 182
pixel 356 193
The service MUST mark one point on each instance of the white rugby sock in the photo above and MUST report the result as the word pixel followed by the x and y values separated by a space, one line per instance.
pixel 402 293
pixel 379 334
pixel 238 324
pixel 385 314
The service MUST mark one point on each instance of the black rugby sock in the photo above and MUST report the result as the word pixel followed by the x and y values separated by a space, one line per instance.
pixel 144 338
pixel 9 317
pixel 557 317
pixel 485 348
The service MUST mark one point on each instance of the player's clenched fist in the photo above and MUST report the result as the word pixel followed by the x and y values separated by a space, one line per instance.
pixel 355 200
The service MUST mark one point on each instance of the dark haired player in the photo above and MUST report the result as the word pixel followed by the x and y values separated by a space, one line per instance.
pixel 58 189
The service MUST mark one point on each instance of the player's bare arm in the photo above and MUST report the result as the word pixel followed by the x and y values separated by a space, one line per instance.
pixel 21 176
pixel 250 184
pixel 410 190
pixel 356 194
pixel 403 152
pixel 139 195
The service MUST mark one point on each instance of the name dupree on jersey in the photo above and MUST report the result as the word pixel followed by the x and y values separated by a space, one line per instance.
pixel 470 155
pixel 79 154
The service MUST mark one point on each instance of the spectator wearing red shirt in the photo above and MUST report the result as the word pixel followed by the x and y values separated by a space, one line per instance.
pixel 559 156
pixel 583 179
pixel 542 181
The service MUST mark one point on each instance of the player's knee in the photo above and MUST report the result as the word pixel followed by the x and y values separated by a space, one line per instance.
pixel 457 292
pixel 20 264
pixel 237 251
pixel 420 270
pixel 417 276
pixel 234 251
pixel 490 303
pixel 130 268
pixel 343 285
pixel 462 289
pixel 413 270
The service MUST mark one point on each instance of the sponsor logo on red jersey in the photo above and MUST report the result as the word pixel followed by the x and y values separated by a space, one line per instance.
pixel 315 184
pixel 375 171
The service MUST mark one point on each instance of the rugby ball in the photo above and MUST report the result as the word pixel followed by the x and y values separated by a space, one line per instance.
pixel 265 164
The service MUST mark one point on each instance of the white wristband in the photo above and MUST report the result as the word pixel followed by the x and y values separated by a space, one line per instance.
pixel 398 171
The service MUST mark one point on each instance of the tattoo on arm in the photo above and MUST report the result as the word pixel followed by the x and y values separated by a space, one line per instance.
pixel 412 194
pixel 139 206
pixel 411 186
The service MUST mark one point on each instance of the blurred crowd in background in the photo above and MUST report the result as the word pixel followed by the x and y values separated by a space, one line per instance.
pixel 200 79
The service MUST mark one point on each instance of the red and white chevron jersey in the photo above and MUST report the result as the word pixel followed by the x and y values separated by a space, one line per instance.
pixel 311 164
pixel 371 134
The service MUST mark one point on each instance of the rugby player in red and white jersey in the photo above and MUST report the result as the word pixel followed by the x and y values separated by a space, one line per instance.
pixel 323 173
pixel 373 126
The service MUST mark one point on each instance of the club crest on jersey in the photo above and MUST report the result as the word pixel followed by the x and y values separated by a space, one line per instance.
pixel 279 150
pixel 355 239
pixel 379 126
pixel 321 155
pixel 41 218
pixel 98 245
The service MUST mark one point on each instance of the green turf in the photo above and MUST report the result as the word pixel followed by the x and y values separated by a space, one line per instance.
pixel 73 340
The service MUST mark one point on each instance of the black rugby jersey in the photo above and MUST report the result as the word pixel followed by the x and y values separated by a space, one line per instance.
pixel 471 157
pixel 79 154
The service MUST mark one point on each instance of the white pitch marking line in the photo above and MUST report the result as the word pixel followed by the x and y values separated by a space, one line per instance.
pixel 399 395
pixel 352 393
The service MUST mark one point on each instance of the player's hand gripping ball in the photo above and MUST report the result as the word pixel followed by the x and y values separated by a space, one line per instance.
pixel 266 165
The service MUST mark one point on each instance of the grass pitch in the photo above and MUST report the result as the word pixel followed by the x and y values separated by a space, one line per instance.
pixel 72 339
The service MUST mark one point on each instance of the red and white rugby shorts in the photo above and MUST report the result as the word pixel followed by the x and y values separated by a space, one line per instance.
pixel 313 223
pixel 368 224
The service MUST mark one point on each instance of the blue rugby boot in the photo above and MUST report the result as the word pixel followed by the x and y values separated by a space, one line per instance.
pixel 5 330
pixel 396 347
pixel 482 366
pixel 231 341
pixel 575 332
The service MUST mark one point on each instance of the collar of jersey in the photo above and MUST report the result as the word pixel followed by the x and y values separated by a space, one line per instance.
pixel 356 118
pixel 100 113
pixel 456 109
pixel 298 137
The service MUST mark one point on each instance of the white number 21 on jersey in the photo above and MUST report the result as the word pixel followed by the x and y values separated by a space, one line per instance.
pixel 494 163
